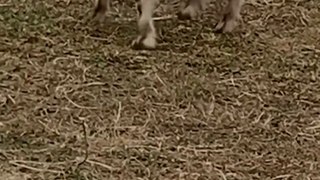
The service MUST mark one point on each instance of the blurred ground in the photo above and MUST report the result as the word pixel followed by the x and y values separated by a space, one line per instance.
pixel 77 103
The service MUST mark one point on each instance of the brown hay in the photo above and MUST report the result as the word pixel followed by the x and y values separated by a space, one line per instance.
pixel 77 103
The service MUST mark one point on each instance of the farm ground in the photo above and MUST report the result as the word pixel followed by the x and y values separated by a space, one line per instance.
pixel 77 103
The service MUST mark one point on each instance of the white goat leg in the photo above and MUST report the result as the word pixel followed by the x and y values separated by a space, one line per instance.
pixel 147 38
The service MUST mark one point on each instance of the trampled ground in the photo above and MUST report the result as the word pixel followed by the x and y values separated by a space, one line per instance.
pixel 77 103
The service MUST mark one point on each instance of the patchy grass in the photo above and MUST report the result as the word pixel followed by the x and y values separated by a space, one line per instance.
pixel 77 103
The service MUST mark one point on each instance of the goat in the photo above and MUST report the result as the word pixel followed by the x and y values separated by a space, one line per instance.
pixel 147 38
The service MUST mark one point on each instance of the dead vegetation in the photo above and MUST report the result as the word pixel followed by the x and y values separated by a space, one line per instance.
pixel 77 103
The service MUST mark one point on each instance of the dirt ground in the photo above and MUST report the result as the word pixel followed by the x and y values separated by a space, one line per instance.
pixel 76 102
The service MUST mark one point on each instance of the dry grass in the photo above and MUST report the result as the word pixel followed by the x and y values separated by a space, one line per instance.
pixel 77 103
